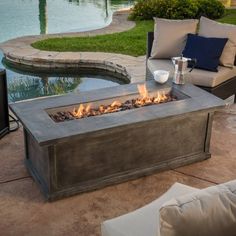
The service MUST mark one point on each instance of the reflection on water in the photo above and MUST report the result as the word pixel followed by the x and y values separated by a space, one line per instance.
pixel 107 6
pixel 43 16
pixel 25 88
pixel 27 17
pixel 28 87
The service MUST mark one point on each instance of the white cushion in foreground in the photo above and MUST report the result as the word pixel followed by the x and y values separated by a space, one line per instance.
pixel 145 220
pixel 211 211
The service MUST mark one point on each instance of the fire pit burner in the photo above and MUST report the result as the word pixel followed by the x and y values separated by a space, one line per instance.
pixel 87 110
pixel 80 155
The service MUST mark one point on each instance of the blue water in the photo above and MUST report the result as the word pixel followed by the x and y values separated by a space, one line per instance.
pixel 33 17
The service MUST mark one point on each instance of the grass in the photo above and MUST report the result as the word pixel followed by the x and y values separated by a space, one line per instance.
pixel 132 42
pixel 229 17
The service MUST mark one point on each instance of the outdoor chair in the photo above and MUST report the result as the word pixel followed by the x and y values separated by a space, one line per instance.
pixel 222 83
pixel 181 211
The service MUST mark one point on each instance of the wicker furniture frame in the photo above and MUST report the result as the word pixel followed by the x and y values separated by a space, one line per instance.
pixel 4 120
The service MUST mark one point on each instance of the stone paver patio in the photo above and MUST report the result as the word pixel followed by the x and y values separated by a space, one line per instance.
pixel 23 211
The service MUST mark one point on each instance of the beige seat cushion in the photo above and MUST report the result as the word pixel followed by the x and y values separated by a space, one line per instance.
pixel 145 220
pixel 211 211
pixel 170 37
pixel 210 28
pixel 197 76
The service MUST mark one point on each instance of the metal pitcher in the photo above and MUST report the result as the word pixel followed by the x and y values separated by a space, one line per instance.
pixel 181 68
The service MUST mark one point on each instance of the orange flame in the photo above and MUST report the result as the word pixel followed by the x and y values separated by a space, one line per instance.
pixel 88 108
pixel 79 112
pixel 143 90
pixel 116 104
pixel 82 110
pixel 146 99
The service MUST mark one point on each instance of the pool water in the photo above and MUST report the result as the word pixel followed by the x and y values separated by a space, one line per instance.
pixel 28 87
pixel 27 17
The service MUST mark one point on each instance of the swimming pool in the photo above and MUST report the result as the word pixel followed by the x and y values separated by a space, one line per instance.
pixel 27 17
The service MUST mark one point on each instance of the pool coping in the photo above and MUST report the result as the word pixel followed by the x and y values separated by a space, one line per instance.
pixel 19 52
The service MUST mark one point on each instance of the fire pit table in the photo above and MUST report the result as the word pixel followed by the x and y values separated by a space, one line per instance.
pixel 80 142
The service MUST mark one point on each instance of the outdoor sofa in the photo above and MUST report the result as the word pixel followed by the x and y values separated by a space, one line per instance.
pixel 222 83
pixel 181 211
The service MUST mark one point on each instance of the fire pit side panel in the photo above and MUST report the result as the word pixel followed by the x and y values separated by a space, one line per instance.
pixel 37 162
pixel 97 159
pixel 114 155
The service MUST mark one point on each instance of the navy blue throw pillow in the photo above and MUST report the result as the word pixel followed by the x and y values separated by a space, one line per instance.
pixel 207 51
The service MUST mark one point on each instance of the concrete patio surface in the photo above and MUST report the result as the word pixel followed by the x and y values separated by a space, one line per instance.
pixel 23 210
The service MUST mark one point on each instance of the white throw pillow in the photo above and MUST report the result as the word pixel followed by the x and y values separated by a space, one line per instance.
pixel 207 212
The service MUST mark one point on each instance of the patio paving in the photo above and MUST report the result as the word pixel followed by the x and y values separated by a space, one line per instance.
pixel 23 210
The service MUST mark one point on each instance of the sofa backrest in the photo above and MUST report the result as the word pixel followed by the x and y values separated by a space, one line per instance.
pixel 150 38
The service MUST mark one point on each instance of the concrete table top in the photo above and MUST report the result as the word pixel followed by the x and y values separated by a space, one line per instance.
pixel 35 118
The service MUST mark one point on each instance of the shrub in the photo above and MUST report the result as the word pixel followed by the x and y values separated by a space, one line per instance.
pixel 143 10
pixel 212 9
pixel 185 9
pixel 176 9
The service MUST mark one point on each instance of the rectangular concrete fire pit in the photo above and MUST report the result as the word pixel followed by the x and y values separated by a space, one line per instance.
pixel 79 155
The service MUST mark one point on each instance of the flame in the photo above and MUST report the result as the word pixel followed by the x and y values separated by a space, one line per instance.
pixel 78 112
pixel 161 97
pixel 88 108
pixel 143 90
pixel 116 104
pixel 144 100
pixel 82 111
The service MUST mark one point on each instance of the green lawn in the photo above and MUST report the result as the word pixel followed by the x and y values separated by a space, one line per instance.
pixel 132 42
pixel 230 17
